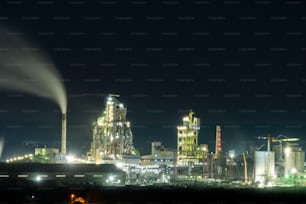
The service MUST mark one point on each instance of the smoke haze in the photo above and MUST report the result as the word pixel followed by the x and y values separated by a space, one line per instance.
pixel 24 68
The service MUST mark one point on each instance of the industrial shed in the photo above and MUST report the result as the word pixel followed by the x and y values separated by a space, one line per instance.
pixel 62 174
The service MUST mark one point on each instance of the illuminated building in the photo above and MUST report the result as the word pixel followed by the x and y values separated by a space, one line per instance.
pixel 159 156
pixel 46 155
pixel 157 166
pixel 112 135
pixel 188 150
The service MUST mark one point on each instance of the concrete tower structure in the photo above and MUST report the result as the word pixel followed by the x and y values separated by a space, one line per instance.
pixel 112 134
pixel 64 134
pixel 187 140
pixel 218 140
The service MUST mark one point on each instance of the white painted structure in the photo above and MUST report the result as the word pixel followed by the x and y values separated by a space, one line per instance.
pixel 264 165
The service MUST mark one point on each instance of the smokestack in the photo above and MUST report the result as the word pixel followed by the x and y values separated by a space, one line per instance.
pixel 64 131
pixel 218 140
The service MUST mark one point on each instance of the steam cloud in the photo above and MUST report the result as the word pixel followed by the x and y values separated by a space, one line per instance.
pixel 26 69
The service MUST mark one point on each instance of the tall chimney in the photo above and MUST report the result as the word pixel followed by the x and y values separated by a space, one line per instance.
pixel 64 131
pixel 218 140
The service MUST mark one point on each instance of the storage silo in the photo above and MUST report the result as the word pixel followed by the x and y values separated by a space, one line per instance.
pixel 278 150
pixel 264 165
pixel 299 161
pixel 294 160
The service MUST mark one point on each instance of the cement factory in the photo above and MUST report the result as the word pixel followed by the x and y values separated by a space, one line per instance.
pixel 113 160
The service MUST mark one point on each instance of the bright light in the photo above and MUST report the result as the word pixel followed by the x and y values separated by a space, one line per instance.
pixel 111 178
pixel 38 178
pixel 287 150
pixel 293 170
pixel 119 164
pixel 70 158
pixel 182 127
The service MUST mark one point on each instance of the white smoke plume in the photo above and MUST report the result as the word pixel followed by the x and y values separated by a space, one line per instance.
pixel 26 69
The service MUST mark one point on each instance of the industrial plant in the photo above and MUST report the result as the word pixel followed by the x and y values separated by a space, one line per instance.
pixel 190 163
pixel 112 135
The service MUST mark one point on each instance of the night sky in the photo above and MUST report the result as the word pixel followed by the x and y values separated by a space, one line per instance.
pixel 240 64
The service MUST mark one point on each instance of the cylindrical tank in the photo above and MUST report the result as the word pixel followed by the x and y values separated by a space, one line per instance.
pixel 294 160
pixel 289 161
pixel 278 153
pixel 264 165
pixel 299 161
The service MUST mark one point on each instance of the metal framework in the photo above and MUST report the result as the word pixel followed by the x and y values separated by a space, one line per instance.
pixel 112 134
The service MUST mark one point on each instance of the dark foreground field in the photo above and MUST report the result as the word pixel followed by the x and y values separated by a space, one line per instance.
pixel 150 195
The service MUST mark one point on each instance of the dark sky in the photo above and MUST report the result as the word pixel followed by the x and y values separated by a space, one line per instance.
pixel 240 64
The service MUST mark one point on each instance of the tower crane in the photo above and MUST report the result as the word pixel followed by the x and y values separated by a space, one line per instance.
pixel 282 138
pixel 279 138
pixel 259 148
pixel 268 138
